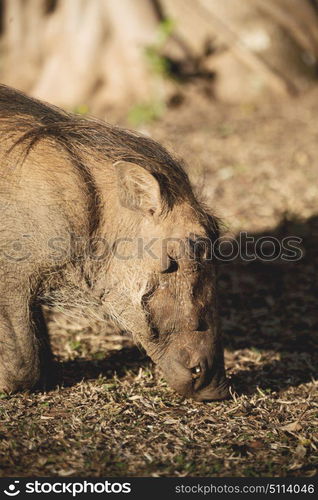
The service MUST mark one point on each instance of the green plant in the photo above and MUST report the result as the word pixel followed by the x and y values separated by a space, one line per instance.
pixel 81 109
pixel 159 63
pixel 145 112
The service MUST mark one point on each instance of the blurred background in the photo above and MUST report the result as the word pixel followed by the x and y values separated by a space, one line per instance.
pixel 144 55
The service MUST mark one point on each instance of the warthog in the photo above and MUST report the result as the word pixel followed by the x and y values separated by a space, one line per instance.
pixel 99 218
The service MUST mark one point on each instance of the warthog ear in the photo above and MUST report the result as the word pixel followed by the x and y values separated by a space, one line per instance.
pixel 137 188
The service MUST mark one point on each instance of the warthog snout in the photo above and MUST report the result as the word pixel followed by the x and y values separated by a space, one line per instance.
pixel 195 368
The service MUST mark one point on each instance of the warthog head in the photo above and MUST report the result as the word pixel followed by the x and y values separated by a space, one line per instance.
pixel 166 267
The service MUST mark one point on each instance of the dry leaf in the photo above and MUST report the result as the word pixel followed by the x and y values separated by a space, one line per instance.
pixel 300 451
pixel 292 427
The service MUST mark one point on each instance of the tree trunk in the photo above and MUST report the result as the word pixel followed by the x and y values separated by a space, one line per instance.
pixel 74 44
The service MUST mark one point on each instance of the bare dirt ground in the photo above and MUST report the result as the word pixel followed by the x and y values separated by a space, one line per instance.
pixel 111 413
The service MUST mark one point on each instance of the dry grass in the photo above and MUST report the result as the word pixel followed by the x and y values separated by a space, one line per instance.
pixel 113 415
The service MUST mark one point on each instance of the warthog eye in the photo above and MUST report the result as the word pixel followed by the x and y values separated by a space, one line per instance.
pixel 173 266
pixel 196 371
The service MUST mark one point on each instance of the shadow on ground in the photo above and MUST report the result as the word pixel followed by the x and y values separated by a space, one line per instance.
pixel 69 373
pixel 271 307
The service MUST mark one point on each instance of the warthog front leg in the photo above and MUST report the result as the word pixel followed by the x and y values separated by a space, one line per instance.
pixel 21 335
